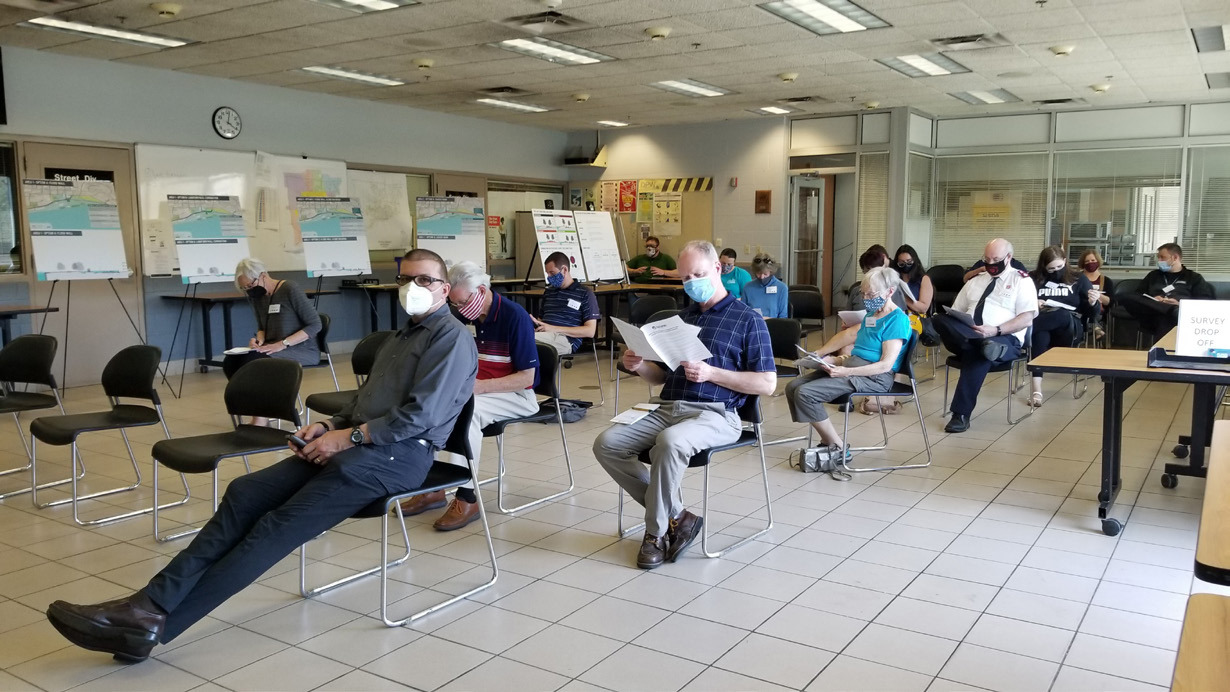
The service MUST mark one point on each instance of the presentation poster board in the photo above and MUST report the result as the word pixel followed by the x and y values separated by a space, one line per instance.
pixel 453 227
pixel 279 180
pixel 596 233
pixel 556 232
pixel 334 236
pixel 210 236
pixel 386 208
pixel 1204 329
pixel 75 229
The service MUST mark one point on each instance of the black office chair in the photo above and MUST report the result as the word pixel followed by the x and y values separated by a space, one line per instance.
pixel 361 362
pixel 784 337
pixel 322 344
pixel 750 414
pixel 803 287
pixel 649 317
pixel 1016 376
pixel 638 315
pixel 28 360
pixel 900 390
pixel 129 374
pixel 265 388
pixel 548 386
pixel 1119 320
pixel 807 308
pixel 946 282
pixel 442 476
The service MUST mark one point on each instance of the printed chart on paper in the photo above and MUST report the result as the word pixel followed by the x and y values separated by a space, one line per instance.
pixel 334 236
pixel 75 229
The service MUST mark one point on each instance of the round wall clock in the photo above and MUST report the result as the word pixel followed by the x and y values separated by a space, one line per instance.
pixel 227 123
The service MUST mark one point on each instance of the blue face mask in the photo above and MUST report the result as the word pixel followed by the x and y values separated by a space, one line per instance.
pixel 699 290
pixel 1163 265
pixel 873 305
pixel 555 280
pixel 766 280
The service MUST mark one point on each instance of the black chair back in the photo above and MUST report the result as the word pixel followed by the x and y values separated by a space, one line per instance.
pixel 946 283
pixel 1125 287
pixel 784 337
pixel 28 360
pixel 803 287
pixel 548 363
pixel 322 336
pixel 640 311
pixel 749 412
pixel 364 355
pixel 1221 290
pixel 663 315
pixel 459 440
pixel 265 388
pixel 130 373
pixel 907 356
pixel 806 305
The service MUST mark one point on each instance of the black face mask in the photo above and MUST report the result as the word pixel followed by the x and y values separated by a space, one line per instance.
pixel 996 268
pixel 1056 276
pixel 905 267
pixel 256 291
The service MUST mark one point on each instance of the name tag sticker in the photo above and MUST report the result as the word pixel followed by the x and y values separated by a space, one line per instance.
pixel 275 308
pixel 869 322
pixel 1052 284
pixel 1167 289
pixel 574 304
pixel 770 289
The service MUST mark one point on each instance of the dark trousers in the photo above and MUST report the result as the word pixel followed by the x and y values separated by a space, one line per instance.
pixel 232 364
pixel 974 366
pixel 1052 328
pixel 266 514
pixel 1155 318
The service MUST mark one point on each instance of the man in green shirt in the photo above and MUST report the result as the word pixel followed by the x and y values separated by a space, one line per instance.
pixel 652 264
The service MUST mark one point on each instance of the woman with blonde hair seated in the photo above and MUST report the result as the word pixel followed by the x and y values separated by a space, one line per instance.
pixel 286 321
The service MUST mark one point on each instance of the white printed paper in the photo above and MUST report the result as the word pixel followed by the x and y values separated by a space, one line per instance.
pixel 670 341
pixel 849 318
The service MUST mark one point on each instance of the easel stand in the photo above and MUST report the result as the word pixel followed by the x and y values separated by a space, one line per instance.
pixel 187 340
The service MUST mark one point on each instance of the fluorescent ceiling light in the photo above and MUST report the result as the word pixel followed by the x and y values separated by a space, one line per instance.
pixel 513 105
pixel 353 76
pixel 774 110
pixel 1218 80
pixel 932 65
pixel 612 123
pixel 368 5
pixel 96 31
pixel 979 98
pixel 552 51
pixel 1211 38
pixel 690 87
pixel 825 16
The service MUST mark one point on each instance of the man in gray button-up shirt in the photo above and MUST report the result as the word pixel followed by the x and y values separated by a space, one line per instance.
pixel 421 379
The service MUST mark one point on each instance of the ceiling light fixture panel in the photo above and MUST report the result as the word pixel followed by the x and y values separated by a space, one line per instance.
pixel 1210 39
pixel 514 105
pixel 931 65
pixel 982 98
pixel 139 38
pixel 691 87
pixel 365 6
pixel 774 110
pixel 552 51
pixel 613 123
pixel 353 76
pixel 825 16
pixel 1217 80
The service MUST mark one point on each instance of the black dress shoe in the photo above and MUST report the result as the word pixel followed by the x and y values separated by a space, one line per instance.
pixel 653 552
pixel 957 424
pixel 682 533
pixel 121 628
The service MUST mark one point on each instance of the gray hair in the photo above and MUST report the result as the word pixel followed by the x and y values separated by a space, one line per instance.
pixel 880 279
pixel 703 247
pixel 468 275
pixel 1007 245
pixel 249 268
pixel 764 262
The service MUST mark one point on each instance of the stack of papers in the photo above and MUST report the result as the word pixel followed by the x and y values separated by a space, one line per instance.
pixel 670 341
pixel 1056 304
pixel 634 414
pixel 812 361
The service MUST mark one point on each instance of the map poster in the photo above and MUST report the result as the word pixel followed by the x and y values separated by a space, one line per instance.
pixel 334 236
pixel 627 196
pixel 668 213
pixel 75 229
pixel 453 227
pixel 609 200
pixel 644 207
pixel 210 237
pixel 557 232
pixel 386 208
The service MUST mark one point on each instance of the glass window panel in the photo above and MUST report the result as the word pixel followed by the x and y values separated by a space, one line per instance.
pixel 10 237
pixel 982 197
pixel 1206 238
pixel 872 201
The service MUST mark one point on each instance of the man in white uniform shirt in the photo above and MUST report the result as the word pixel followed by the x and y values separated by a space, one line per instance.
pixel 1003 302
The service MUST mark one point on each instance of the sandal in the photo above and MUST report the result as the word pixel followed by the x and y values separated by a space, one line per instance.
pixel 868 407
pixel 1035 400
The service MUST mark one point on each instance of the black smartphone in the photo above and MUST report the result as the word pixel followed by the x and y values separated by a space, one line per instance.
pixel 296 441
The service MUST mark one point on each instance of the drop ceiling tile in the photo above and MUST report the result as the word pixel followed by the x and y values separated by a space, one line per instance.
pixel 414 19
pixel 1111 27
pixel 137 14
pixel 1052 35
pixel 680 29
pixel 253 19
pixel 1214 62
pixel 612 13
pixel 286 78
pixel 103 50
pixel 331 86
pixel 216 51
pixel 12 15
pixel 22 37
pixel 1131 8
pixel 246 66
pixel 740 18
pixel 928 30
pixel 1039 19
pixel 929 13
pixel 768 33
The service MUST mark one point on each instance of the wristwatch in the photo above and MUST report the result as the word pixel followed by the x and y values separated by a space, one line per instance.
pixel 285 343
pixel 999 330
pixel 356 435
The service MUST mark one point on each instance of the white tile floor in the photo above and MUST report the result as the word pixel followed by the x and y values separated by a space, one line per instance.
pixel 985 571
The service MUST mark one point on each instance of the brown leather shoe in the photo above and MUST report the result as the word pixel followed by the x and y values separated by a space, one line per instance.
pixel 653 552
pixel 458 514
pixel 422 503
pixel 682 533
pixel 122 628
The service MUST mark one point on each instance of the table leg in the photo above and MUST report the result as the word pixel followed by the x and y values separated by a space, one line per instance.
pixel 6 329
pixel 1112 449
pixel 207 334
pixel 1204 410
pixel 371 307
pixel 393 309
pixel 227 336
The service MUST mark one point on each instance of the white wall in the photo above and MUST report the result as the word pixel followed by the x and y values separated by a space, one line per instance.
pixel 754 151
pixel 55 95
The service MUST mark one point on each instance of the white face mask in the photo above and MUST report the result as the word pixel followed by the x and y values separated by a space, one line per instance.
pixel 415 299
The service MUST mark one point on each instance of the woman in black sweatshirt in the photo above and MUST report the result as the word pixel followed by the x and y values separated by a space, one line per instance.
pixel 1065 304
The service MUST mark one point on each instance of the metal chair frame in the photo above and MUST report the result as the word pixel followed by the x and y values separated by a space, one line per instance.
pixel 565 360
pixel 907 369
pixel 1015 380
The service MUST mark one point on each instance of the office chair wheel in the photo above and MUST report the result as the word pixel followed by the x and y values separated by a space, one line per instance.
pixel 567 365
pixel 203 369
pixel 1180 451
pixel 1111 527
pixel 1169 480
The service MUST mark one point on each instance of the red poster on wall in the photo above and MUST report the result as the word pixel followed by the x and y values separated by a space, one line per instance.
pixel 627 196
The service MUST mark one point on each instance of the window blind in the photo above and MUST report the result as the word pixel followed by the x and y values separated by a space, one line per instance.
pixel 978 198
pixel 872 201
pixel 1206 236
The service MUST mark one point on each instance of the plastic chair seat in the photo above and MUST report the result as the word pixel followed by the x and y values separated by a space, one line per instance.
pixel 899 389
pixel 442 476
pixel 702 458
pixel 63 430
pixel 202 453
pixel 787 371
pixel 497 428
pixel 1004 366
pixel 329 403
pixel 16 402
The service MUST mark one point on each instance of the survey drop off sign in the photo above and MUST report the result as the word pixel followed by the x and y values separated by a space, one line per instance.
pixel 1204 328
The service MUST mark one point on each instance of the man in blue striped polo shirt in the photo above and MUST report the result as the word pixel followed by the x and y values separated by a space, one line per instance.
pixel 697 406
pixel 569 310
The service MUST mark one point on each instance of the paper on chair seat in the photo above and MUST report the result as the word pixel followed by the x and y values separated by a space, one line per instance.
pixel 634 414
pixel 670 341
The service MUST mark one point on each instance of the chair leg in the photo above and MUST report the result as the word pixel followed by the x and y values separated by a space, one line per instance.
pixel 598 376
pixel 30 464
pixel 329 360
pixel 624 533
pixel 1013 388
pixel 382 567
pixel 900 467
pixel 768 505
pixel 187 494
pixel 499 493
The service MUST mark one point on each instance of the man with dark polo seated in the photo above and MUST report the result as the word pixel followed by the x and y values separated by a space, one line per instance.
pixel 569 309
pixel 383 442
pixel 1156 302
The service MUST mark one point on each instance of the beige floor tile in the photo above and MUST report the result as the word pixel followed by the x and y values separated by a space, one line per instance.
pixel 998 670
pixel 951 592
pixel 781 662
pixel 149 675
pixel 768 583
pixel 633 668
pixel 1077 680
pixel 691 638
pixel 1042 610
pixel 543 650
pixel 427 663
pixel 362 681
pixel 290 670
pixel 718 680
pixel 499 674
pixel 1132 627
pixel 855 675
pixel 1020 637
pixel 812 628
pixel 359 641
pixel 615 618
pixel 920 653
pixel 221 653
pixel 924 617
pixel 1123 659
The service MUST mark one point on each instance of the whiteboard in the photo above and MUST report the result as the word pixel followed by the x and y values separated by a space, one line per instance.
pixel 599 246
pixel 164 170
pixel 386 208
pixel 556 233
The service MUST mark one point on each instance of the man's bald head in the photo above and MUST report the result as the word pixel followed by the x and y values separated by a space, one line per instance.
pixel 998 249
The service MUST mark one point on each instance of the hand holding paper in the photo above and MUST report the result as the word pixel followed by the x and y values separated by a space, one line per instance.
pixel 670 341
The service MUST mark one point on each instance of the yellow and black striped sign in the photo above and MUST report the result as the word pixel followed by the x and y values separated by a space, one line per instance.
pixel 676 185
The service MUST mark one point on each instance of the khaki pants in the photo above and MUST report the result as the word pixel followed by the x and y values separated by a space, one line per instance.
pixel 558 341
pixel 492 407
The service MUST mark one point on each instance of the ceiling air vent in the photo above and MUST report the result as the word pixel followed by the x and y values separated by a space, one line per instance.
pixel 803 99
pixel 545 23
pixel 970 42
pixel 505 91
pixel 1061 102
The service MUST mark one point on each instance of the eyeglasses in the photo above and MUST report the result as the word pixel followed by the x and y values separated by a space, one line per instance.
pixel 424 280
pixel 651 247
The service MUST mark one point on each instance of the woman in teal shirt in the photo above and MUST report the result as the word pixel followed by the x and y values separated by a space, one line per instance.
pixel 879 344
pixel 733 277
